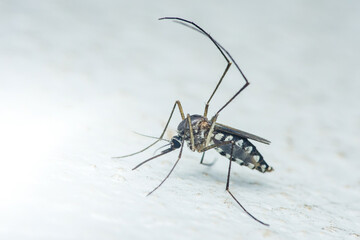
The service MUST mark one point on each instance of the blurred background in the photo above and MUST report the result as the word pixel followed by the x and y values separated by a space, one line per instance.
pixel 78 77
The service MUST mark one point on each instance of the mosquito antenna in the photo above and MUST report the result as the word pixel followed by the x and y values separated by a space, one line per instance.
pixel 178 104
pixel 182 146
pixel 220 48
pixel 148 136
pixel 152 158
pixel 158 139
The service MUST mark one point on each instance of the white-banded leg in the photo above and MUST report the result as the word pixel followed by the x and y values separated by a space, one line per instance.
pixel 177 103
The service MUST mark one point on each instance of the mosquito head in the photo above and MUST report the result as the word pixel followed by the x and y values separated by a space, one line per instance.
pixel 176 142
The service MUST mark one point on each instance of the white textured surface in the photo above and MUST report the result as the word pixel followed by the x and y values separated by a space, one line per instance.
pixel 77 77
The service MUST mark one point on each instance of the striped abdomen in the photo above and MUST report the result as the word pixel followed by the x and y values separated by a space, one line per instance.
pixel 244 152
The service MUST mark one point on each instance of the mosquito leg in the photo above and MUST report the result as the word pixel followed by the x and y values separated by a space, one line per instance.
pixel 177 103
pixel 182 146
pixel 213 121
pixel 233 97
pixel 223 52
pixel 228 176
pixel 202 158
pixel 228 190
pixel 206 164
pixel 217 86
pixel 215 145
pixel 191 133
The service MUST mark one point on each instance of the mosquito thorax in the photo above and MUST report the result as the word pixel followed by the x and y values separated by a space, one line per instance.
pixel 200 126
pixel 198 123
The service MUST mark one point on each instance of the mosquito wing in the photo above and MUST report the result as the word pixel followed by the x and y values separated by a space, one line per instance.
pixel 227 129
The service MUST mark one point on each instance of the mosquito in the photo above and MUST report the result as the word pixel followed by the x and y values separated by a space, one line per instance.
pixel 202 134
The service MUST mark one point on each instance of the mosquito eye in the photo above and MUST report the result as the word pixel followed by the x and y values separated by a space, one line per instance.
pixel 175 143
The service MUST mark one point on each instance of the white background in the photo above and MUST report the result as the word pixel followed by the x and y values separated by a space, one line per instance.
pixel 78 77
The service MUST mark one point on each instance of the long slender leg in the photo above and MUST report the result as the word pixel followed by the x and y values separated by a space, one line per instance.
pixel 206 164
pixel 223 51
pixel 228 175
pixel 233 97
pixel 182 146
pixel 214 146
pixel 191 133
pixel 202 158
pixel 217 86
pixel 228 190
pixel 208 138
pixel 177 103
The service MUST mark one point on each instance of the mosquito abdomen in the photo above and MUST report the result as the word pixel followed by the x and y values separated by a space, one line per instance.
pixel 244 152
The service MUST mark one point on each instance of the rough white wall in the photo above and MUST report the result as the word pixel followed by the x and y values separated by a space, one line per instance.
pixel 77 77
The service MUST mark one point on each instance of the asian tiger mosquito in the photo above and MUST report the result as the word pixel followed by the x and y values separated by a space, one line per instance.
pixel 202 134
